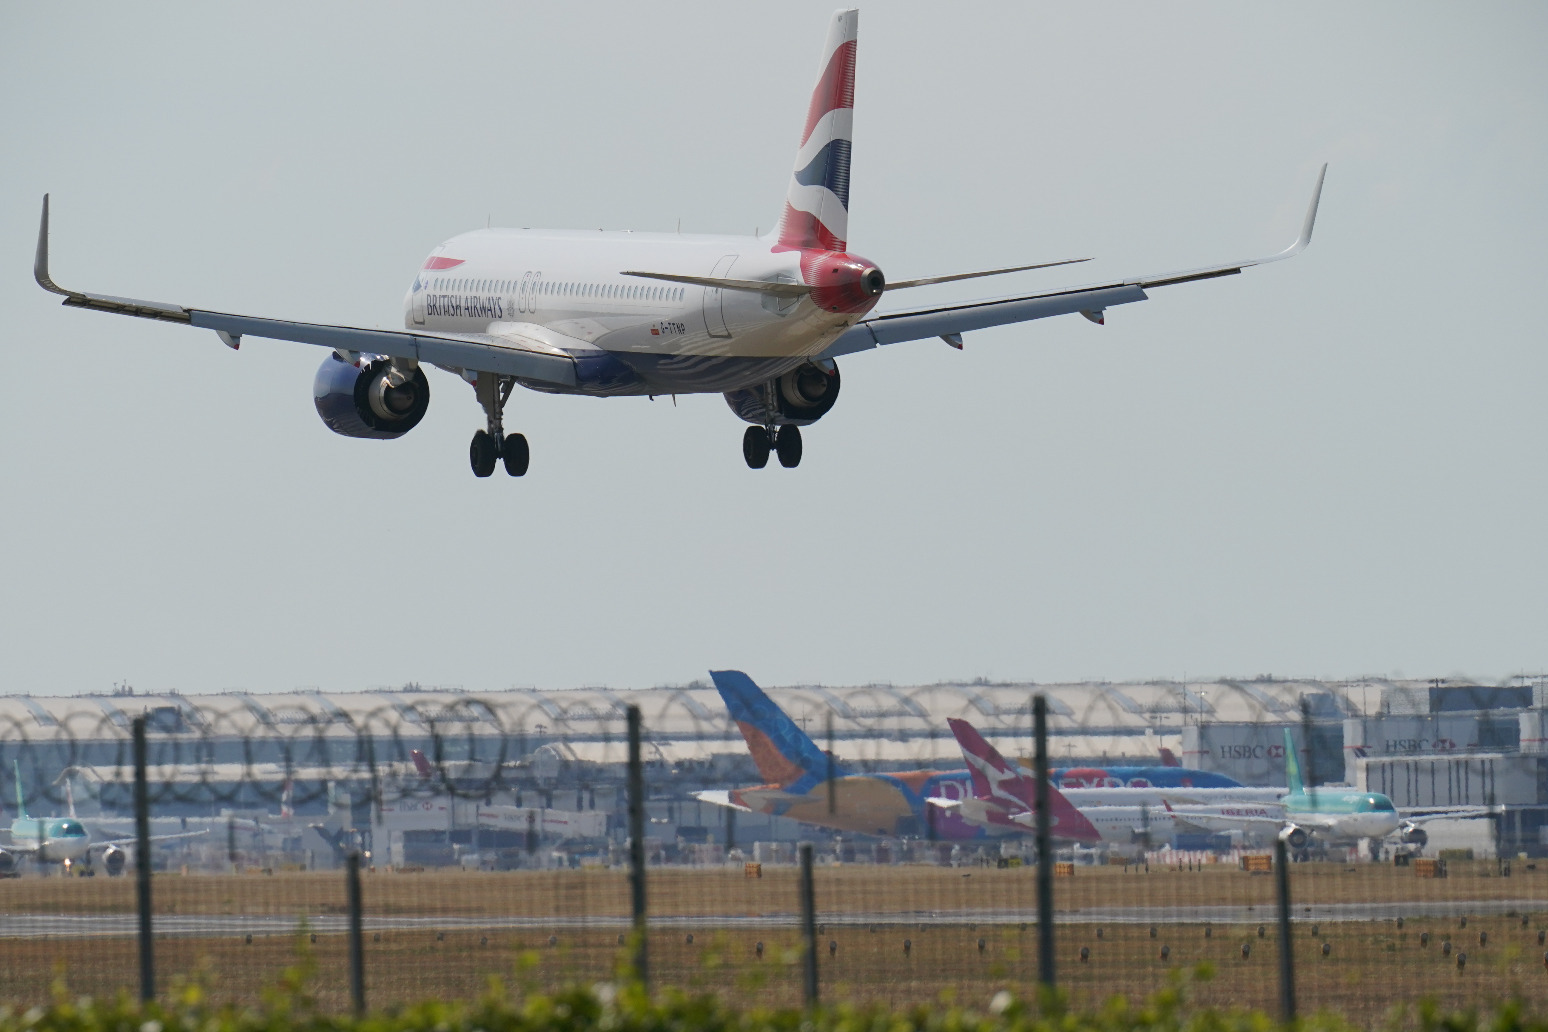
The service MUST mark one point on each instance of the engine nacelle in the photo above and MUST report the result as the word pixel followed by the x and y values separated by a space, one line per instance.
pixel 7 864
pixel 1295 837
pixel 113 860
pixel 798 398
pixel 1414 835
pixel 362 400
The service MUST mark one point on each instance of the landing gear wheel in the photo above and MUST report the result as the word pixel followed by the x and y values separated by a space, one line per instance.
pixel 788 444
pixel 483 453
pixel 755 447
pixel 516 455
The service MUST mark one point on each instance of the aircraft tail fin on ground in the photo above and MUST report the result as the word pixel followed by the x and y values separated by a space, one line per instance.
pixel 817 201
pixel 421 765
pixel 21 808
pixel 782 751
pixel 986 767
pixel 1292 767
pixel 1005 787
pixel 1169 758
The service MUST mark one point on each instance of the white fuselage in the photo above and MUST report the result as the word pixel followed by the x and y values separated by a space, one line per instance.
pixel 1158 797
pixel 565 290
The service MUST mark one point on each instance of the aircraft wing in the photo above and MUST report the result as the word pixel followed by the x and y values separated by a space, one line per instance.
pixel 131 840
pixel 1214 821
pixel 720 798
pixel 1424 815
pixel 951 321
pixel 482 352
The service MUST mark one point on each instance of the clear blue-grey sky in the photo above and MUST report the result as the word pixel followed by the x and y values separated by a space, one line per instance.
pixel 1332 466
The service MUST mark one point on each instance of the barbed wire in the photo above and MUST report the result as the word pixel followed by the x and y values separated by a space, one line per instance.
pixel 235 752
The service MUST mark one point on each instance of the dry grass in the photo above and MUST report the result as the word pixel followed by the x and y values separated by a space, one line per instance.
pixel 1372 965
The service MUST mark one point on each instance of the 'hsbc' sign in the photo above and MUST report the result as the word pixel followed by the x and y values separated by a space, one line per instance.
pixel 1418 745
pixel 1251 752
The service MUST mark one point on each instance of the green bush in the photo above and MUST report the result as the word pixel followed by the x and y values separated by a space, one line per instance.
pixel 624 1007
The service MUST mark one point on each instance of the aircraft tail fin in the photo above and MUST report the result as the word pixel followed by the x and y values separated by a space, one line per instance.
pixel 986 767
pixel 816 212
pixel 1169 758
pixel 1011 790
pixel 287 796
pixel 421 764
pixel 782 751
pixel 1292 767
pixel 21 808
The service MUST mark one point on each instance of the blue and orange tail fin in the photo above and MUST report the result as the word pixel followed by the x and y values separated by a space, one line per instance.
pixel 816 212
pixel 783 752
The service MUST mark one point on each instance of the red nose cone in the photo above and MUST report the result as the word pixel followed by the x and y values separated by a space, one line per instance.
pixel 843 283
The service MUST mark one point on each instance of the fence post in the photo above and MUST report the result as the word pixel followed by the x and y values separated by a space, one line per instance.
pixel 730 830
pixel 142 864
pixel 1286 957
pixel 808 926
pixel 356 933
pixel 1045 936
pixel 637 848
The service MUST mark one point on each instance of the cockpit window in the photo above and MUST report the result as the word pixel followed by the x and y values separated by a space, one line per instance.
pixel 1379 802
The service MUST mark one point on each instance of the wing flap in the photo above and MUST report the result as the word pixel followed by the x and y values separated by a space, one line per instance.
pixel 949 320
pixel 979 315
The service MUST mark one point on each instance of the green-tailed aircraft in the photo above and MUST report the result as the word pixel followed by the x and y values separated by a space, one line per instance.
pixel 1329 815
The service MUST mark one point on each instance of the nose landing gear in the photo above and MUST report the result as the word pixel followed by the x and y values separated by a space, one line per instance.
pixel 784 441
pixel 492 446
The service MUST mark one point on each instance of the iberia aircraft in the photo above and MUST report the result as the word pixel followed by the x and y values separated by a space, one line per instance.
pixel 760 319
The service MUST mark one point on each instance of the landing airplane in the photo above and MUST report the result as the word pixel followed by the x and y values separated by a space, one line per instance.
pixel 759 319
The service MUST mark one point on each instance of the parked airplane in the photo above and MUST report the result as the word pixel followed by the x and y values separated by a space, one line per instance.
pixel 1329 816
pixel 797 773
pixel 64 840
pixel 602 314
pixel 1003 795
pixel 761 719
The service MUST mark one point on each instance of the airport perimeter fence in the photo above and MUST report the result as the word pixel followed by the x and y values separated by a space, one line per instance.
pixel 452 848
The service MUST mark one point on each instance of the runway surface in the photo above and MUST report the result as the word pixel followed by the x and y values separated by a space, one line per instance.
pixel 208 926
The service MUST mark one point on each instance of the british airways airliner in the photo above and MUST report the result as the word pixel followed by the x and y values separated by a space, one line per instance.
pixel 758 319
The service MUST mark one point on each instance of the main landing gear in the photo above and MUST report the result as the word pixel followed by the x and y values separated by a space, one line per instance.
pixel 493 446
pixel 785 441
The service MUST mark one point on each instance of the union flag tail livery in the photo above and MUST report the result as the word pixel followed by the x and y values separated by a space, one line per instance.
pixel 783 753
pixel 816 213
pixel 758 320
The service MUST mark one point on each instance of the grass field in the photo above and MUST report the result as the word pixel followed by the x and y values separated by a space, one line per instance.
pixel 966 931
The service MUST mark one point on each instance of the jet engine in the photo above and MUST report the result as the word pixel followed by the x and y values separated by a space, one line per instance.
pixel 1295 838
pixel 113 860
pixel 798 398
pixel 1414 835
pixel 7 864
pixel 370 398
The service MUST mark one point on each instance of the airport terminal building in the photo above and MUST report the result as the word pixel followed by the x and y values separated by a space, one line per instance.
pixel 331 762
